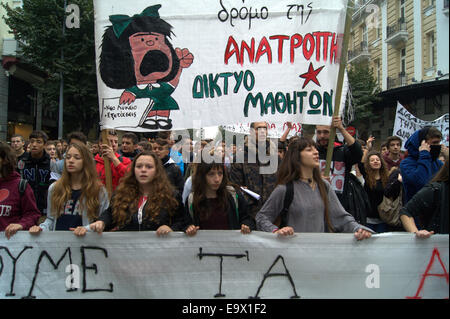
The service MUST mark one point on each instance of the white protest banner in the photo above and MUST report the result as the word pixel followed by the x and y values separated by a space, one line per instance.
pixel 223 264
pixel 163 64
pixel 276 130
pixel 406 124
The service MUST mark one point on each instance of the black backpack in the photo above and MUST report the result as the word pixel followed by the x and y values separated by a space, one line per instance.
pixel 282 219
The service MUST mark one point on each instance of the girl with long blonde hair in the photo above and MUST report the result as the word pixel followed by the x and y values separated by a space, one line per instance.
pixel 145 200
pixel 78 197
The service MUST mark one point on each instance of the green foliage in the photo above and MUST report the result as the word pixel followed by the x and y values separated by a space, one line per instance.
pixel 38 25
pixel 364 90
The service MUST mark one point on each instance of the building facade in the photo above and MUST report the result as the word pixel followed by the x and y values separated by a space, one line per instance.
pixel 21 109
pixel 406 44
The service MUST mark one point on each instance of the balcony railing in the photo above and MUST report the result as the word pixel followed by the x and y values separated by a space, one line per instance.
pixel 401 80
pixel 359 53
pixel 397 34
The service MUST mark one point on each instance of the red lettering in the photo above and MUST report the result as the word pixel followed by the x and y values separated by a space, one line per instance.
pixel 229 54
pixel 336 44
pixel 250 51
pixel 427 274
pixel 296 41
pixel 307 53
pixel 311 42
pixel 280 38
pixel 267 50
pixel 325 45
pixel 319 36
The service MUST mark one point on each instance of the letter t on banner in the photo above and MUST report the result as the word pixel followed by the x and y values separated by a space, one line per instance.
pixel 337 98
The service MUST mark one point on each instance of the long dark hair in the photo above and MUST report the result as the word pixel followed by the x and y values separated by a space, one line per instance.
pixel 199 185
pixel 290 170
pixel 8 160
pixel 370 172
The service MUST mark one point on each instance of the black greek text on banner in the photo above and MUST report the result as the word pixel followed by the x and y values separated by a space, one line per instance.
pixel 223 264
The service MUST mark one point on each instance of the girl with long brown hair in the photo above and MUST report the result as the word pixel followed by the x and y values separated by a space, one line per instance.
pixel 78 197
pixel 376 176
pixel 314 207
pixel 214 203
pixel 144 200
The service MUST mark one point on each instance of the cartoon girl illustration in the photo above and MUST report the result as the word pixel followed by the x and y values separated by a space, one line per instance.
pixel 138 57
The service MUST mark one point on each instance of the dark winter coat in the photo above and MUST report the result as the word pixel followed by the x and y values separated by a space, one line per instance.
pixel 177 222
pixel 248 175
pixel 174 174
pixel 342 181
pixel 37 172
pixel 430 205
pixel 418 168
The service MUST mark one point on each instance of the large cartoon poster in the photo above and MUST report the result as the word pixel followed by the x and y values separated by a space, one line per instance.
pixel 165 64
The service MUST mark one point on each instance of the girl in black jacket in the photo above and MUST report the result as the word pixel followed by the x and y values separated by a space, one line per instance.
pixel 144 200
pixel 214 204
pixel 376 177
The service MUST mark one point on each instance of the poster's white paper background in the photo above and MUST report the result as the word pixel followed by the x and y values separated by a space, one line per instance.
pixel 142 265
pixel 406 124
pixel 197 28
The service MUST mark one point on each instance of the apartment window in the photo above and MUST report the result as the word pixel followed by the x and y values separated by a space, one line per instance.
pixel 431 50
pixel 379 30
pixel 378 70
pixel 403 61
pixel 402 10
pixel 365 34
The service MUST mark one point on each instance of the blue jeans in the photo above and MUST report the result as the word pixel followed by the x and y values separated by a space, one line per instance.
pixel 379 228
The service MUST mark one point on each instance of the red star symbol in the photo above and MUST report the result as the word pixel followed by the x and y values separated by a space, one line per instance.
pixel 311 75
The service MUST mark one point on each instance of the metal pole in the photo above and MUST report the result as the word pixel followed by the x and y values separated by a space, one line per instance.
pixel 61 85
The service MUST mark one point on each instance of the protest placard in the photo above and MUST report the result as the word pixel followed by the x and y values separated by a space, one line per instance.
pixel 406 124
pixel 162 65
pixel 222 264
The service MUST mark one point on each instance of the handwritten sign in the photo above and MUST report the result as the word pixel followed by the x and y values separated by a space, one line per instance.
pixel 222 264
pixel 222 61
pixel 406 124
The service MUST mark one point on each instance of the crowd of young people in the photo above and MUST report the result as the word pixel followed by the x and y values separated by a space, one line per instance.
pixel 155 188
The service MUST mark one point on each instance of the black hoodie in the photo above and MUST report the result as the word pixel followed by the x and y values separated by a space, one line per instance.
pixel 37 172
pixel 344 157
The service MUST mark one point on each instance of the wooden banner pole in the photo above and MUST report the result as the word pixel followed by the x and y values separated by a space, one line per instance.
pixel 108 175
pixel 337 99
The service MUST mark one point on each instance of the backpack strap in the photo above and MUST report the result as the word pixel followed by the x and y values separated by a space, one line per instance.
pixel 190 205
pixel 288 197
pixel 234 194
pixel 22 186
